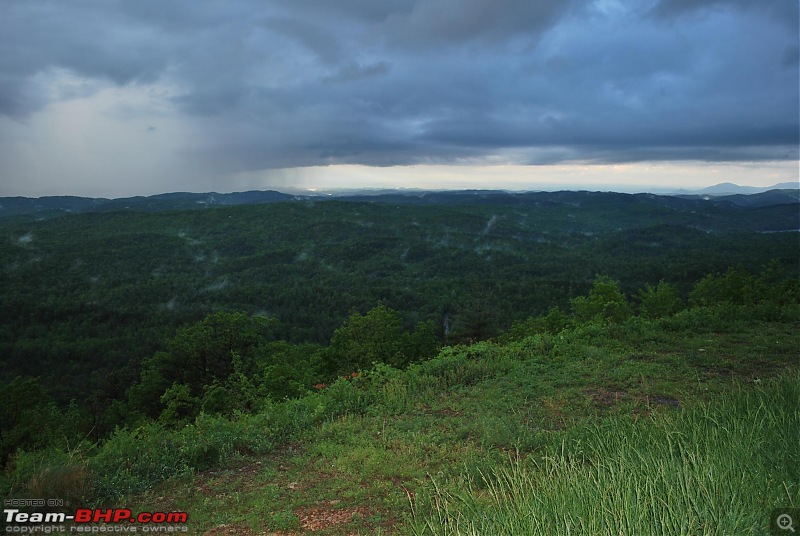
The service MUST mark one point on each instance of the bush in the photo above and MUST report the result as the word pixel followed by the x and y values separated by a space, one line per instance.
pixel 605 303
pixel 659 301
pixel 50 473
pixel 344 397
pixel 28 417
pixel 131 461
pixel 552 323
pixel 467 365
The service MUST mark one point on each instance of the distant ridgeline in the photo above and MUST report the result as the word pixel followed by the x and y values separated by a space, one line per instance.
pixel 108 305
pixel 52 206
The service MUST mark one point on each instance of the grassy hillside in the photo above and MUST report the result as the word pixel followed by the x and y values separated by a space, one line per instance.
pixel 682 425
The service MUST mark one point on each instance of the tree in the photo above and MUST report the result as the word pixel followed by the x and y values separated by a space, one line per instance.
pixel 28 417
pixel 605 302
pixel 736 286
pixel 203 354
pixel 287 370
pixel 179 405
pixel 364 339
pixel 238 393
pixel 420 344
pixel 659 301
pixel 476 318
pixel 553 322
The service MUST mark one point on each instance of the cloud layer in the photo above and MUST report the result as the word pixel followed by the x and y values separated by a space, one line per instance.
pixel 255 84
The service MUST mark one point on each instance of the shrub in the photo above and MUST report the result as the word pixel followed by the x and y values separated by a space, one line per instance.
pixel 736 287
pixel 605 303
pixel 131 461
pixel 552 323
pixel 50 473
pixel 467 365
pixel 659 301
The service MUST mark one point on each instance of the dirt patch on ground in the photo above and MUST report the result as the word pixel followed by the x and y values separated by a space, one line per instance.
pixel 447 412
pixel 242 477
pixel 606 398
pixel 603 397
pixel 239 530
pixel 663 401
pixel 328 517
pixel 227 530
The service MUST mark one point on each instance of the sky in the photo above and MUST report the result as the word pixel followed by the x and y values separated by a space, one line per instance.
pixel 111 98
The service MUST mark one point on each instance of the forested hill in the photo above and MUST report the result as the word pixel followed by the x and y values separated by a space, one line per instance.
pixel 53 206
pixel 88 297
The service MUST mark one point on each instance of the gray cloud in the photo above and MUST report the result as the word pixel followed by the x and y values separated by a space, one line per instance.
pixel 90 39
pixel 679 8
pixel 354 72
pixel 458 22
pixel 312 82
pixel 315 38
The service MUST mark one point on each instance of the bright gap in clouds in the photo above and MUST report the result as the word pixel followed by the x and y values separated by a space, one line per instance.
pixel 630 177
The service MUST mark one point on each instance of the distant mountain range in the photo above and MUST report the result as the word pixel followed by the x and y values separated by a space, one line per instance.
pixel 50 206
pixel 728 188
pixel 53 206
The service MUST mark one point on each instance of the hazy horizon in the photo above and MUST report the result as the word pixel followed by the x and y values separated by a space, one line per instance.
pixel 373 190
pixel 336 179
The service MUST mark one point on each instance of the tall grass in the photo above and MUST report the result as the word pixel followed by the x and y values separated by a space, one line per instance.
pixel 714 469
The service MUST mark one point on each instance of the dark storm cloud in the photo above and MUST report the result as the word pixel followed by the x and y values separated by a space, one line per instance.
pixel 90 39
pixel 456 22
pixel 783 10
pixel 310 82
pixel 353 72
